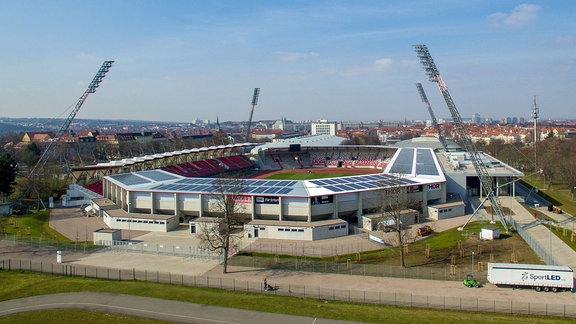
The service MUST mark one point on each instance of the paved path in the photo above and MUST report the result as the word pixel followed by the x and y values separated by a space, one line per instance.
pixel 160 309
pixel 561 253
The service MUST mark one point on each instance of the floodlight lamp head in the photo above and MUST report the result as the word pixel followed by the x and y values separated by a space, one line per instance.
pixel 255 96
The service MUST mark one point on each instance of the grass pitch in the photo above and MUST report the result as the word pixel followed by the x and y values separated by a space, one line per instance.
pixel 23 284
pixel 306 176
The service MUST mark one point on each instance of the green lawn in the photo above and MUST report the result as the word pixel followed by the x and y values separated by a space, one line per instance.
pixel 558 194
pixel 32 225
pixel 58 316
pixel 305 176
pixel 443 245
pixel 23 284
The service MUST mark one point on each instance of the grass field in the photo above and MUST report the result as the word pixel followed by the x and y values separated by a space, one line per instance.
pixel 32 225
pixel 23 284
pixel 48 316
pixel 305 176
pixel 443 245
pixel 558 193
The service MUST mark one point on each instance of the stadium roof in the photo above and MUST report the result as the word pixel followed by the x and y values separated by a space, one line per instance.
pixel 428 142
pixel 150 157
pixel 408 167
pixel 306 141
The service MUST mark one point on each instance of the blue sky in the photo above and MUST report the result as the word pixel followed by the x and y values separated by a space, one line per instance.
pixel 336 60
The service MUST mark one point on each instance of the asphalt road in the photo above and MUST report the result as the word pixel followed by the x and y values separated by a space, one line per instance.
pixel 530 196
pixel 160 309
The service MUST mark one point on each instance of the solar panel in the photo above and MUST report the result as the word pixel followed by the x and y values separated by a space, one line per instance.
pixel 425 163
pixel 403 162
pixel 284 191
pixel 355 186
pixel 269 190
pixel 129 179
pixel 157 175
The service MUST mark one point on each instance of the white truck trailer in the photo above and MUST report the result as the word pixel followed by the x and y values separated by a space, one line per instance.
pixel 537 276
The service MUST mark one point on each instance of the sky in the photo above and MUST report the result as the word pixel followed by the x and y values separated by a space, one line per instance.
pixel 178 61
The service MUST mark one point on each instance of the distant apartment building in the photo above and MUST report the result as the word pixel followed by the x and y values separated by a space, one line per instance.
pixel 323 127
pixel 476 118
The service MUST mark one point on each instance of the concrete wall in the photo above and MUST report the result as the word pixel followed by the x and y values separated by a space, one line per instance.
pixel 106 237
pixel 141 224
pixel 305 233
pixel 439 212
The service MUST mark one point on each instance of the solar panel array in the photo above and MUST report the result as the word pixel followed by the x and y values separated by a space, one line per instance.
pixel 209 185
pixel 129 179
pixel 157 175
pixel 362 182
pixel 403 162
pixel 425 163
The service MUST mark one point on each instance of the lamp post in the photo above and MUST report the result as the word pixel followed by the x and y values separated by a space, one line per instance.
pixel 129 221
pixel 551 258
pixel 472 264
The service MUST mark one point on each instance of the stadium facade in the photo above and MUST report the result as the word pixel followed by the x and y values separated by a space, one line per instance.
pixel 160 199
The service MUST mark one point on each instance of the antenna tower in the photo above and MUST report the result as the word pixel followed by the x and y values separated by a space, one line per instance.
pixel 535 112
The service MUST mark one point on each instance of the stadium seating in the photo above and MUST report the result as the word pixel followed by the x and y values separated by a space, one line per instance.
pixel 317 159
pixel 95 187
pixel 208 167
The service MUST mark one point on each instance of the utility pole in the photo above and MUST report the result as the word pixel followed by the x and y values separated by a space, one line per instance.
pixel 535 112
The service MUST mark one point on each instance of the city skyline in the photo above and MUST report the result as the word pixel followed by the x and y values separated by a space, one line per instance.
pixel 179 60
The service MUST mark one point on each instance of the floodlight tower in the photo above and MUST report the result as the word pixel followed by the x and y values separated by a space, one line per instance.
pixel 64 128
pixel 254 103
pixel 434 121
pixel 460 127
pixel 535 112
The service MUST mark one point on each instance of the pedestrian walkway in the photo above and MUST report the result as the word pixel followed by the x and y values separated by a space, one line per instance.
pixel 160 309
pixel 561 253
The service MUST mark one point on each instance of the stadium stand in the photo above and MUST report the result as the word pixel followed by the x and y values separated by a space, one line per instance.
pixel 95 187
pixel 208 167
pixel 317 159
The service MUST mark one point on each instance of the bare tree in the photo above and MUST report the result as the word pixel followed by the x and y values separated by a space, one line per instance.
pixel 225 205
pixel 396 214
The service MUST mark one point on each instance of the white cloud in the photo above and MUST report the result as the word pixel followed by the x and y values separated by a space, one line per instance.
pixel 296 56
pixel 565 39
pixel 383 63
pixel 88 57
pixel 377 66
pixel 520 16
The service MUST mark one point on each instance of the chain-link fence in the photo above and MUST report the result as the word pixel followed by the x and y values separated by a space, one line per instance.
pixel 163 249
pixel 542 252
pixel 48 243
pixel 310 250
pixel 350 267
pixel 375 297
pixel 115 246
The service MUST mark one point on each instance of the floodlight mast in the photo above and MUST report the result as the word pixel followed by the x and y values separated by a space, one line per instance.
pixel 254 103
pixel 64 128
pixel 485 179
pixel 424 98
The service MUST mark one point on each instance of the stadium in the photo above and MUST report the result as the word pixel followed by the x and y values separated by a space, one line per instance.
pixel 162 192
